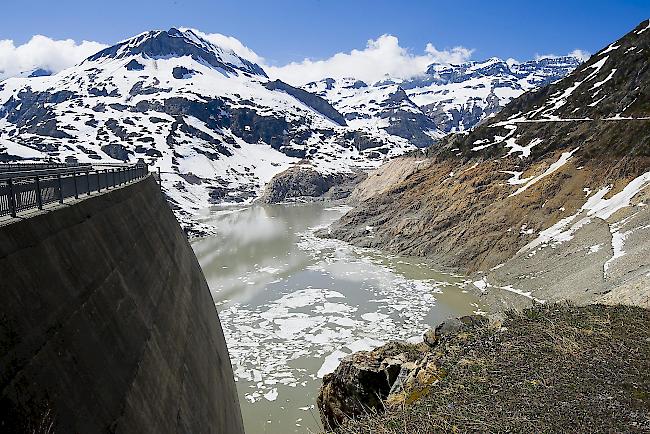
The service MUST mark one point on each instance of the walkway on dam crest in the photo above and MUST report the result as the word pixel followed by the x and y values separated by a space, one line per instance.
pixel 29 188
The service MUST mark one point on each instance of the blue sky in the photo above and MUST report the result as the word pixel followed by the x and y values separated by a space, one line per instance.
pixel 284 30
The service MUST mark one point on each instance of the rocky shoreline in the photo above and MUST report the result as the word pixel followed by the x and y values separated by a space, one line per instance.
pixel 397 375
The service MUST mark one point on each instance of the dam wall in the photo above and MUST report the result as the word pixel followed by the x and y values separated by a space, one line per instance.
pixel 107 323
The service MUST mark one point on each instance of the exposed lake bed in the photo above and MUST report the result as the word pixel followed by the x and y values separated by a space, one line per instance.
pixel 292 304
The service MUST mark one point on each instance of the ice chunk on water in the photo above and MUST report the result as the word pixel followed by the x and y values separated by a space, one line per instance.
pixel 330 363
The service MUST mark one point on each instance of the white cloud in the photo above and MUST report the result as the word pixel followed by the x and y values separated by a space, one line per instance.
pixel 43 52
pixel 579 54
pixel 232 43
pixel 382 56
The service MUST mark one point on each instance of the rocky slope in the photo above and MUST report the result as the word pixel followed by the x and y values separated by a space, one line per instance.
pixel 560 174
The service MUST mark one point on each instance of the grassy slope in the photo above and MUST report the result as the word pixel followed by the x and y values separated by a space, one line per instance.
pixel 547 369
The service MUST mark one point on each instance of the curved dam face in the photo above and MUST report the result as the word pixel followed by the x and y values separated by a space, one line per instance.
pixel 107 323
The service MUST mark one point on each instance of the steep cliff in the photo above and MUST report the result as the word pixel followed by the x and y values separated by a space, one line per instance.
pixel 107 323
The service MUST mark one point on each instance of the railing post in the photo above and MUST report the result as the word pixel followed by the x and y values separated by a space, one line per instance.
pixel 12 199
pixel 76 190
pixel 159 177
pixel 58 176
pixel 39 197
pixel 88 181
pixel 99 181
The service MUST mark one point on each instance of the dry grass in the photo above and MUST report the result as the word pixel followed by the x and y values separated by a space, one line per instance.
pixel 548 369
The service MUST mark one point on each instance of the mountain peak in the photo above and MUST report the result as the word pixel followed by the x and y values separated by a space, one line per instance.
pixel 158 44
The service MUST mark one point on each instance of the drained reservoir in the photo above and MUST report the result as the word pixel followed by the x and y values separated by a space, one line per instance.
pixel 292 304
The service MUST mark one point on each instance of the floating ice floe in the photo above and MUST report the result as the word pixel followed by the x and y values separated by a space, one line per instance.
pixel 270 343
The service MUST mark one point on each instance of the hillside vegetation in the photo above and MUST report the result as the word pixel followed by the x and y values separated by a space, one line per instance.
pixel 556 368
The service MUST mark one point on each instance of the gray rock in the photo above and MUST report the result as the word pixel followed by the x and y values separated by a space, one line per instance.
pixel 454 325
pixel 134 65
pixel 180 72
pixel 296 183
pixel 116 151
pixel 362 381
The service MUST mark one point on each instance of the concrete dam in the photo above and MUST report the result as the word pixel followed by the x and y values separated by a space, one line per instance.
pixel 107 323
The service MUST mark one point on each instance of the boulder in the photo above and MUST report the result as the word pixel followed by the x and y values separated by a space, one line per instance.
pixel 362 381
pixel 393 374
pixel 430 338
pixel 452 326
pixel 415 381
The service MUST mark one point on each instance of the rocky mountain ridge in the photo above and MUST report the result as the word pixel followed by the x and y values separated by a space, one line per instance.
pixel 452 98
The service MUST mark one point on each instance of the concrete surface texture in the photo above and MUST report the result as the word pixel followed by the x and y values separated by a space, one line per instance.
pixel 107 323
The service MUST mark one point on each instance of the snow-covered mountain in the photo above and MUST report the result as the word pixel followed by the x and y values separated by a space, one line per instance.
pixel 379 109
pixel 212 121
pixel 446 98
pixel 219 128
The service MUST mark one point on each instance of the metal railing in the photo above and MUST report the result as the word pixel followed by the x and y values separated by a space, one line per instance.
pixel 24 190
pixel 42 166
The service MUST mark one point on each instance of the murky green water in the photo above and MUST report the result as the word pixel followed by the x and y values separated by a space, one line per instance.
pixel 292 304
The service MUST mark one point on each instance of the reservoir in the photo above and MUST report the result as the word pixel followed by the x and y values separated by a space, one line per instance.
pixel 293 304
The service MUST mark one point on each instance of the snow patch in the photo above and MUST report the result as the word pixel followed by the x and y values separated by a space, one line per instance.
pixel 644 29
pixel 564 158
